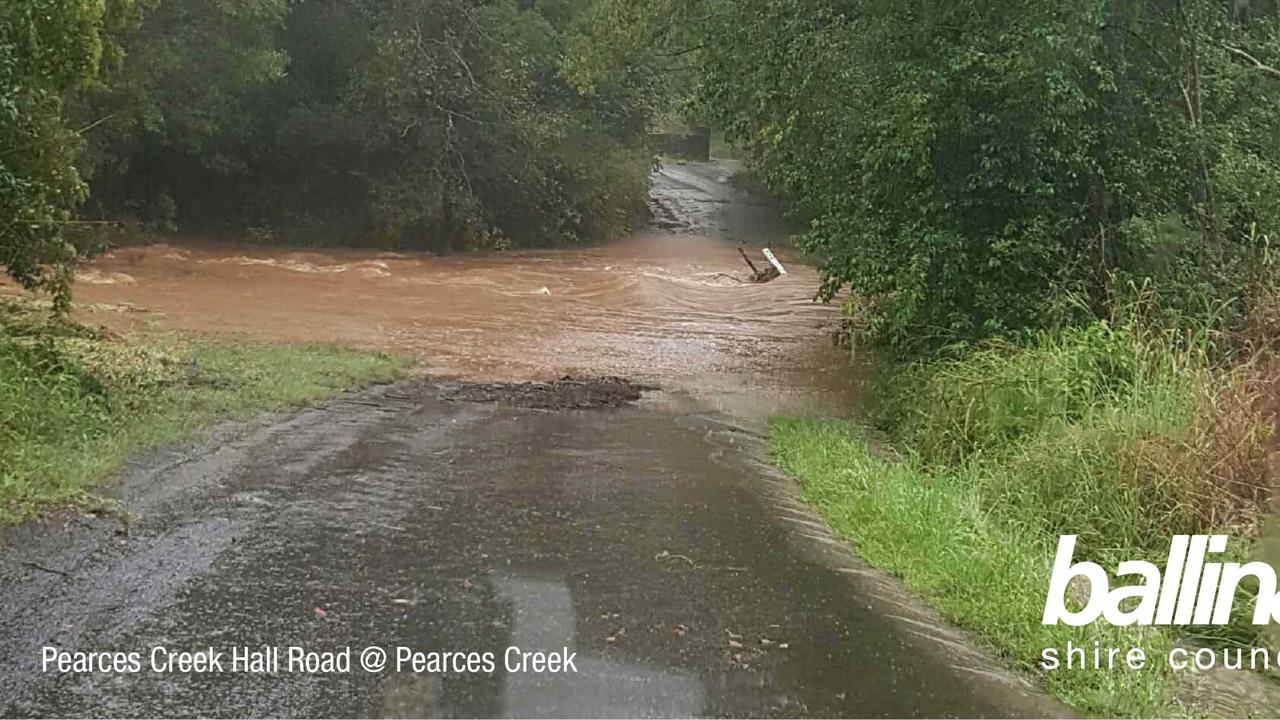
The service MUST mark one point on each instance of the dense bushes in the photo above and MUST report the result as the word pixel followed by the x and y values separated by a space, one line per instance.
pixel 415 123
pixel 1118 434
pixel 43 396
pixel 420 124
pixel 48 48
pixel 961 165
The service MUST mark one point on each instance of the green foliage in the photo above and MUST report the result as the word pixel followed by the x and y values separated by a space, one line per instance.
pixel 1118 433
pixel 960 164
pixel 430 124
pixel 74 405
pixel 47 49
pixel 983 568
pixel 1051 431
pixel 171 104
pixel 1122 435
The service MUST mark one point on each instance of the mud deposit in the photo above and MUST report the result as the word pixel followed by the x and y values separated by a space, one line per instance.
pixel 564 394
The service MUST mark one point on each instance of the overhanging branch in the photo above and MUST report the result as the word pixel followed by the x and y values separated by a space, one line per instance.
pixel 1254 62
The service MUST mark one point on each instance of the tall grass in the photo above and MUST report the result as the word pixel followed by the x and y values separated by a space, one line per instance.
pixel 983 569
pixel 1117 431
pixel 1121 434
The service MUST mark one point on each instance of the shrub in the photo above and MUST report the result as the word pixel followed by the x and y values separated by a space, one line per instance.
pixel 961 164
pixel 1122 435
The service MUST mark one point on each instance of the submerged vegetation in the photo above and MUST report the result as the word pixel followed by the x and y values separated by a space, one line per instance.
pixel 75 402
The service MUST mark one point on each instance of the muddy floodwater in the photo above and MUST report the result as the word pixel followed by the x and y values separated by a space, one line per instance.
pixel 628 516
pixel 669 304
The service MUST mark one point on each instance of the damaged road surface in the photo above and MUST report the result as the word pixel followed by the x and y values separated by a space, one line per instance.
pixel 656 549
pixel 507 544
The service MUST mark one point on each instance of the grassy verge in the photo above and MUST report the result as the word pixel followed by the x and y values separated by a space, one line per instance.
pixel 75 403
pixel 1121 437
pixel 984 574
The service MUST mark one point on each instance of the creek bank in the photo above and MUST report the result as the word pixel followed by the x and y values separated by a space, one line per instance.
pixel 1122 436
pixel 78 401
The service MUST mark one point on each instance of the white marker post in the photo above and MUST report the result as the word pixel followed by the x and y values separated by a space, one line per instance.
pixel 774 261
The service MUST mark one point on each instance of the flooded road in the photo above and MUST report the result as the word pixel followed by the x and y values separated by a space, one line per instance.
pixel 668 305
pixel 652 542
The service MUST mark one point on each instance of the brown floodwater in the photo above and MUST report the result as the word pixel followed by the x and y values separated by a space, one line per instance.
pixel 667 305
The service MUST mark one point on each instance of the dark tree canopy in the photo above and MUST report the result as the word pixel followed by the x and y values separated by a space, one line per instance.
pixel 422 124
pixel 434 124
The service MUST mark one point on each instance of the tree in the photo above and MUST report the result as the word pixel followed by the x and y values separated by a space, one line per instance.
pixel 961 166
pixel 175 106
pixel 426 124
pixel 47 49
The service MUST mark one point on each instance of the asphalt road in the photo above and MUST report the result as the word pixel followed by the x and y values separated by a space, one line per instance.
pixel 651 544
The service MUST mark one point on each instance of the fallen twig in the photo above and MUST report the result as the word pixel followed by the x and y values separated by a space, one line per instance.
pixel 42 568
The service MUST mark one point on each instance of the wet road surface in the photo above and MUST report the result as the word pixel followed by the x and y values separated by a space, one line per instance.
pixel 659 548
pixel 652 541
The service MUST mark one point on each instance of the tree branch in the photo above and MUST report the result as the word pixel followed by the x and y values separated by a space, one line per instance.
pixel 1253 61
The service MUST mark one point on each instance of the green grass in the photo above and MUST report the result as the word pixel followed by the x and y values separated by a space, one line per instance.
pixel 986 575
pixel 75 404
pixel 1122 437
